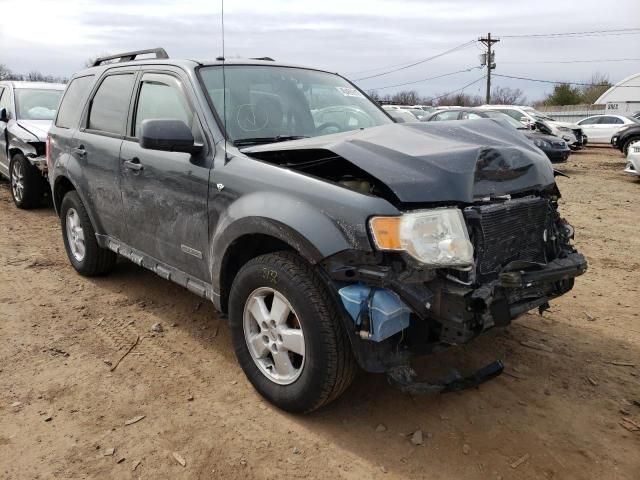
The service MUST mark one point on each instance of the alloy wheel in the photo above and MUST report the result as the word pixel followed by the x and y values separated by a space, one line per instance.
pixel 274 335
pixel 75 234
pixel 17 181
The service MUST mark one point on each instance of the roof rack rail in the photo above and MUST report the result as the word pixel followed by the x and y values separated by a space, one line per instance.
pixel 129 56
pixel 266 59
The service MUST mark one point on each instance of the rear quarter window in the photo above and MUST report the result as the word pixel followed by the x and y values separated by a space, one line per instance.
pixel 73 102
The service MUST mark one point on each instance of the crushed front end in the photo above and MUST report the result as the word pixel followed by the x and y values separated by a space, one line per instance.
pixel 522 258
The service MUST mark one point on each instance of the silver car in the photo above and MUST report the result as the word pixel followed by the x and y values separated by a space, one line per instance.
pixel 26 112
pixel 633 160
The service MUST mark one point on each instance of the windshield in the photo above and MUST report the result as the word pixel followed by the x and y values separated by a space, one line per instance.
pixel 538 115
pixel 503 116
pixel 266 103
pixel 418 112
pixel 33 104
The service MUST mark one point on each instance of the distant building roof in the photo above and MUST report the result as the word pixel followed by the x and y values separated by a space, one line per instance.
pixel 626 90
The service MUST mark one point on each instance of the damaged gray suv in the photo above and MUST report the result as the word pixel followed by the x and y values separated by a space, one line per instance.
pixel 331 236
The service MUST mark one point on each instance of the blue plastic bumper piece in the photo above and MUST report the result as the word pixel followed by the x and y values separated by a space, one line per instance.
pixel 387 313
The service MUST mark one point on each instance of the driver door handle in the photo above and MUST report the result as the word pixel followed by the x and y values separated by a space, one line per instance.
pixel 133 164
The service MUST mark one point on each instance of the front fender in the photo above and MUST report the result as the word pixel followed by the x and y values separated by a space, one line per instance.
pixel 308 230
pixel 23 143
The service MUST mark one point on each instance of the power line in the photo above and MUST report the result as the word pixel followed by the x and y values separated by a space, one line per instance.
pixel 425 79
pixel 556 82
pixel 459 47
pixel 580 61
pixel 459 89
pixel 411 62
pixel 618 31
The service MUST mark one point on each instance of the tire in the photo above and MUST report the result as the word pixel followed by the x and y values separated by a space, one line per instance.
pixel 627 144
pixel 327 366
pixel 27 184
pixel 91 260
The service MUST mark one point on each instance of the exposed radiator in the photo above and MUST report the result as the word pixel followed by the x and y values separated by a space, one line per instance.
pixel 508 231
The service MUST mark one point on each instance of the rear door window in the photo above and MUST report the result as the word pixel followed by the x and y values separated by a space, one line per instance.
pixel 110 104
pixel 590 121
pixel 73 102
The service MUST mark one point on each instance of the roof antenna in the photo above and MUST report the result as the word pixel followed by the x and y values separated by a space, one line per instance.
pixel 224 84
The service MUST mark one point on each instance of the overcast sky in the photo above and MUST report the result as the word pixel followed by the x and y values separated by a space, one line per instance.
pixel 57 36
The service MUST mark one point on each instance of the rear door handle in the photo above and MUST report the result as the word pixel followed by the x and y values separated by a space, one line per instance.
pixel 133 164
pixel 80 151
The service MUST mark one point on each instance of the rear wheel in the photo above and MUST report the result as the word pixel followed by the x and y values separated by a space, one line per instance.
pixel 287 333
pixel 27 184
pixel 84 253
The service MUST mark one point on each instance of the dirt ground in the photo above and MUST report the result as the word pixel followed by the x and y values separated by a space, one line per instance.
pixel 556 413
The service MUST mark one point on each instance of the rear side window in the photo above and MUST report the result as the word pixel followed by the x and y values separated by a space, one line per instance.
pixel 110 104
pixel 611 121
pixel 73 102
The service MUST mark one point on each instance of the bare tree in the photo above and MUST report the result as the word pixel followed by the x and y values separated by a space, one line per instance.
pixel 599 83
pixel 375 96
pixel 458 99
pixel 508 96
pixel 5 73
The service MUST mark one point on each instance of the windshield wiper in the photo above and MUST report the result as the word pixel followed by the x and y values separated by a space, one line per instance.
pixel 243 142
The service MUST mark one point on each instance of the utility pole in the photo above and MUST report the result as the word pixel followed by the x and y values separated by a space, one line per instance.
pixel 489 61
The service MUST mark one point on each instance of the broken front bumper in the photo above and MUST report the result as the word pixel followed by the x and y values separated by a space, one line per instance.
pixel 464 312
pixel 40 162
pixel 441 308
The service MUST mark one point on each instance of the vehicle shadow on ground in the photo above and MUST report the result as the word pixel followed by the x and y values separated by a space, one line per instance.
pixel 562 369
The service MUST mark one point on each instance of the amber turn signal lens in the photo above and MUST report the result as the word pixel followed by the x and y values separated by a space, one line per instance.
pixel 386 232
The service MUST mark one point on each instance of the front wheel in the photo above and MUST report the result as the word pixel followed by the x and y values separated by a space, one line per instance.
pixel 627 145
pixel 27 184
pixel 287 333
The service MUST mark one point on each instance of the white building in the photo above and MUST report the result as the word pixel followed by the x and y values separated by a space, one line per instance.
pixel 623 98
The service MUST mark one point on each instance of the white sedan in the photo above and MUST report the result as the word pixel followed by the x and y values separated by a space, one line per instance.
pixel 600 128
pixel 633 160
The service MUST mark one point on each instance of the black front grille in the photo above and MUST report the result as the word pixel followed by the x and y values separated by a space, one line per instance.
pixel 578 133
pixel 508 231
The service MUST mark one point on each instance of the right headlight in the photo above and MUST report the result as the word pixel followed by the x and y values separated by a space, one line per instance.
pixel 435 237
pixel 541 143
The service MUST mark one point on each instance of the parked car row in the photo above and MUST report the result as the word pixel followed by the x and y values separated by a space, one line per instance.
pixel 554 148
pixel 330 235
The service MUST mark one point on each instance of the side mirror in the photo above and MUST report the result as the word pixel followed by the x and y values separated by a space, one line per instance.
pixel 3 115
pixel 168 135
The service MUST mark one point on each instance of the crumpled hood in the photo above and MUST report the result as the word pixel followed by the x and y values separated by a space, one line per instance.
pixel 37 128
pixel 437 161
